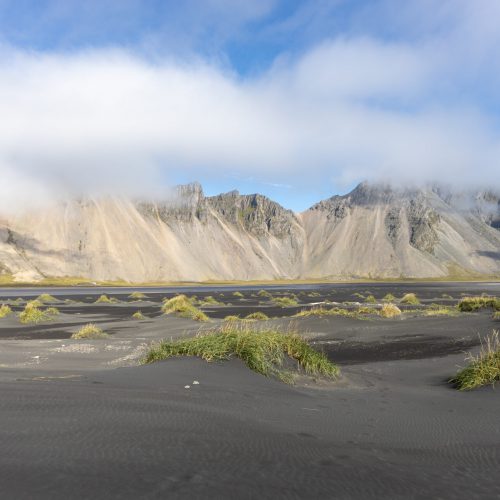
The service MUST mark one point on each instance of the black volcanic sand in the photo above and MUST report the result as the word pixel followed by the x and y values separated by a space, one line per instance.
pixel 80 419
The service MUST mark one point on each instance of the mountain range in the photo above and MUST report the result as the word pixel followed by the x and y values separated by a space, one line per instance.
pixel 375 231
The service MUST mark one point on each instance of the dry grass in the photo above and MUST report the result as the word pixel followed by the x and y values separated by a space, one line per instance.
pixel 5 310
pixel 471 304
pixel 483 369
pixel 210 301
pixel 33 314
pixel 336 311
pixel 89 331
pixel 138 315
pixel 370 299
pixel 183 307
pixel 410 299
pixel 238 294
pixel 137 296
pixel 285 301
pixel 389 311
pixel 52 311
pixel 260 316
pixel 438 310
pixel 46 298
pixel 104 299
pixel 263 350
pixel 389 298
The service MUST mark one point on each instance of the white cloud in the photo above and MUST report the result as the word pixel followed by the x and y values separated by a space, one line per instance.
pixel 349 109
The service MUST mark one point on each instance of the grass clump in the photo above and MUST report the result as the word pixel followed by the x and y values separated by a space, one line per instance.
pixel 5 310
pixel 496 316
pixel 137 296
pixel 104 299
pixel 371 299
pixel 314 294
pixel 410 299
pixel 359 295
pixel 232 317
pixel 183 307
pixel 285 301
pixel 439 310
pixel 483 369
pixel 46 298
pixel 138 315
pixel 471 304
pixel 33 314
pixel 258 316
pixel 446 296
pixel 89 331
pixel 389 298
pixel 264 293
pixel 52 311
pixel 336 311
pixel 238 294
pixel 263 350
pixel 389 311
pixel 210 301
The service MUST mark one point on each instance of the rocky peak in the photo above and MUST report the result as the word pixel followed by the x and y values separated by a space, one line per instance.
pixel 256 213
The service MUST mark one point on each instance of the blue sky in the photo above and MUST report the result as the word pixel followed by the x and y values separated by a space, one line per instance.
pixel 298 100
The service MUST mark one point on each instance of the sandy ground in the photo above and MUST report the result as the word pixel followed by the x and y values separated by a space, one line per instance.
pixel 81 419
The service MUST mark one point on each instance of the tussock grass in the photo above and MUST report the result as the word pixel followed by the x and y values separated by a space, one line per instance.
pixel 258 316
pixel 264 293
pixel 34 303
pixel 446 296
pixel 359 296
pixel 285 301
pixel 471 304
pixel 138 315
pixel 137 296
pixel 483 369
pixel 371 299
pixel 389 298
pixel 238 294
pixel 104 299
pixel 439 310
pixel 496 316
pixel 336 311
pixel 52 311
pixel 210 301
pixel 89 331
pixel 263 350
pixel 46 298
pixel 314 294
pixel 389 311
pixel 410 299
pixel 232 317
pixel 182 306
pixel 5 310
pixel 33 314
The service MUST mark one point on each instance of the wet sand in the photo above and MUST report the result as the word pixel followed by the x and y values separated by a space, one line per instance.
pixel 80 419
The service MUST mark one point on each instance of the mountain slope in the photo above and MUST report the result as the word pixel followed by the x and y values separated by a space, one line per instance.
pixel 374 231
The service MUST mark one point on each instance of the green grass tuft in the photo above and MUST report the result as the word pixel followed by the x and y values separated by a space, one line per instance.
pixel 238 294
pixel 410 299
pixel 104 299
pixel 138 315
pixel 263 350
pixel 496 316
pixel 470 304
pixel 336 311
pixel 285 301
pixel 89 331
pixel 264 293
pixel 137 296
pixel 371 299
pixel 389 298
pixel 210 301
pixel 33 314
pixel 232 317
pixel 359 296
pixel 182 306
pixel 46 298
pixel 52 311
pixel 5 310
pixel 258 316
pixel 483 369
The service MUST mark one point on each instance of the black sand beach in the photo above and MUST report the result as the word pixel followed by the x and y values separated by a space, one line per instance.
pixel 81 419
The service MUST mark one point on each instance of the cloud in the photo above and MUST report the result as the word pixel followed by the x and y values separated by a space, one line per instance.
pixel 350 108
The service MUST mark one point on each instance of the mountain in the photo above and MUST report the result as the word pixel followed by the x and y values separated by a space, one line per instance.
pixel 374 231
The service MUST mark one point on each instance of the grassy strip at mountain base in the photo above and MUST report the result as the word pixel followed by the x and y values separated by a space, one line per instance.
pixel 263 350
pixel 483 369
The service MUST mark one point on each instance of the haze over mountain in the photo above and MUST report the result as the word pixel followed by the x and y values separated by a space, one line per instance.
pixel 375 231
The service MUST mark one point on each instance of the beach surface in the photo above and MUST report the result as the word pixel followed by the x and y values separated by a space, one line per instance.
pixel 83 419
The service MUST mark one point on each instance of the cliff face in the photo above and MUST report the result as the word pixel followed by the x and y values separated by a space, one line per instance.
pixel 374 231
